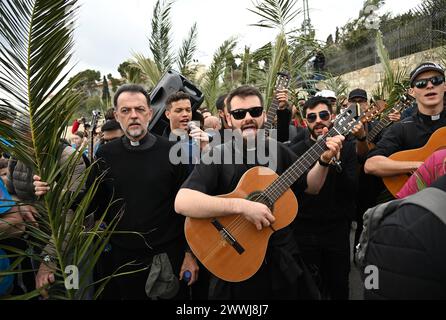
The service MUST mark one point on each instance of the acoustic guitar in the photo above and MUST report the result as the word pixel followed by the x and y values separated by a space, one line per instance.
pixel 436 142
pixel 231 247
pixel 405 102
pixel 282 83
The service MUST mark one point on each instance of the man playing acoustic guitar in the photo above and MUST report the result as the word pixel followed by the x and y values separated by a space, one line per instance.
pixel 279 274
pixel 427 82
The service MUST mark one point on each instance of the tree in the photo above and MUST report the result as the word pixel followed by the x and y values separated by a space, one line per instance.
pixel 114 82
pixel 161 57
pixel 88 80
pixel 106 98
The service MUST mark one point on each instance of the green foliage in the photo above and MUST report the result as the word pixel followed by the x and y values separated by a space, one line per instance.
pixel 187 51
pixel 211 85
pixel 160 42
pixel 106 98
pixel 87 81
pixel 275 13
pixel 35 49
pixel 393 84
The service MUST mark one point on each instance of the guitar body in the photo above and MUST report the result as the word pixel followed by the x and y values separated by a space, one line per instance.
pixel 436 142
pixel 217 254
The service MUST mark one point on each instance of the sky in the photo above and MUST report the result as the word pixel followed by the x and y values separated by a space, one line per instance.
pixel 109 31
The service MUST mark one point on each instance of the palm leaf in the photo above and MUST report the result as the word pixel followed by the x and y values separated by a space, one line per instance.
pixel 160 42
pixel 211 82
pixel 393 85
pixel 187 51
pixel 275 13
pixel 149 70
pixel 279 61
pixel 36 40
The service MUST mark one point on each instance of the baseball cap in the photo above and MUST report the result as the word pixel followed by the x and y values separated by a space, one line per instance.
pixel 326 94
pixel 423 67
pixel 357 93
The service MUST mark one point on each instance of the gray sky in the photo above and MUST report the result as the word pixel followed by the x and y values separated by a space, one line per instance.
pixel 110 30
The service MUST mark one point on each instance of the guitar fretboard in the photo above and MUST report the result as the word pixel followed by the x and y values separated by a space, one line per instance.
pixel 297 169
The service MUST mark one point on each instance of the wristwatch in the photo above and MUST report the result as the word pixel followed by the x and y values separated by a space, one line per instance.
pixel 323 163
pixel 48 259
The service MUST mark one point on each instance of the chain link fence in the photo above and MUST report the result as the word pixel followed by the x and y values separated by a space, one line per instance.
pixel 420 34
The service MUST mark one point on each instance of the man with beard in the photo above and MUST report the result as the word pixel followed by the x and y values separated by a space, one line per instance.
pixel 427 82
pixel 278 277
pixel 322 227
pixel 142 183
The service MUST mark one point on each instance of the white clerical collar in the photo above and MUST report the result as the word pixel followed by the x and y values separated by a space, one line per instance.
pixel 134 143
pixel 436 117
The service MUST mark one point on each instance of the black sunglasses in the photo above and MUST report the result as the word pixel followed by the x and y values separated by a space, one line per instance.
pixel 422 83
pixel 240 114
pixel 324 115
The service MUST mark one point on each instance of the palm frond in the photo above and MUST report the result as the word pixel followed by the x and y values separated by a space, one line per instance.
pixel 211 83
pixel 392 86
pixel 160 42
pixel 36 40
pixel 187 51
pixel 279 61
pixel 275 13
pixel 149 70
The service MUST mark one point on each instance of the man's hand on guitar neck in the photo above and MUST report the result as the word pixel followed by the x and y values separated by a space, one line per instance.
pixel 282 98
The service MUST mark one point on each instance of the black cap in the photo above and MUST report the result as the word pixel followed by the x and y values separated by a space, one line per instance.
pixel 423 67
pixel 110 125
pixel 357 93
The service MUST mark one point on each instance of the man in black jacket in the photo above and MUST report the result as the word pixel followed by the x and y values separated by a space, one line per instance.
pixel 322 226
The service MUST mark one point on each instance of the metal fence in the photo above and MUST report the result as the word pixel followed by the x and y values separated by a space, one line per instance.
pixel 421 34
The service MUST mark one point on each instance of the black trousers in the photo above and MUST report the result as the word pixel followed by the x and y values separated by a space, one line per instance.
pixel 326 251
pixel 132 286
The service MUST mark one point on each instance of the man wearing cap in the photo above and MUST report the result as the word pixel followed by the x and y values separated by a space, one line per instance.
pixel 428 87
pixel 330 96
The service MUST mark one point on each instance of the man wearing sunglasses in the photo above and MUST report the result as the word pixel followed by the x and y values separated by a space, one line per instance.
pixel 278 276
pixel 427 82
pixel 322 227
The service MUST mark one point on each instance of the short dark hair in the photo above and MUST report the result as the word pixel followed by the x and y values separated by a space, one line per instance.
pixel 109 115
pixel 176 96
pixel 136 88
pixel 313 102
pixel 220 103
pixel 3 163
pixel 244 91
pixel 80 134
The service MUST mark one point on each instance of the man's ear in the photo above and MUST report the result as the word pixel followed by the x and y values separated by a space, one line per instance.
pixel 167 113
pixel 412 92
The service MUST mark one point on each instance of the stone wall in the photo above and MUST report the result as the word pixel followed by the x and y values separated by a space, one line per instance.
pixel 369 78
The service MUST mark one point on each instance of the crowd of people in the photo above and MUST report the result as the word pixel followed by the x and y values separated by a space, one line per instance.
pixel 308 259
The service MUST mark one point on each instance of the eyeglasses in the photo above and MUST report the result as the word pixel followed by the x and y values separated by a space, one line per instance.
pixel 240 114
pixel 422 83
pixel 324 115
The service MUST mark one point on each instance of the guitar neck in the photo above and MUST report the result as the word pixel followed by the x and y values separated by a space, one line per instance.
pixel 270 116
pixel 298 168
pixel 378 128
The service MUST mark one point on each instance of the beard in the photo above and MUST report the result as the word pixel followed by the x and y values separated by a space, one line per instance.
pixel 135 132
pixel 318 126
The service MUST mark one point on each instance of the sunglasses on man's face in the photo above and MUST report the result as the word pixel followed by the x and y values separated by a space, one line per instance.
pixel 422 83
pixel 240 114
pixel 324 115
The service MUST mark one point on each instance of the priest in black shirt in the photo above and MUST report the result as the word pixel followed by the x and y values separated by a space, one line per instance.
pixel 140 183
pixel 278 277
pixel 322 227
pixel 428 86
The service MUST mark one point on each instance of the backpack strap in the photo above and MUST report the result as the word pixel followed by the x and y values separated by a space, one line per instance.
pixel 432 199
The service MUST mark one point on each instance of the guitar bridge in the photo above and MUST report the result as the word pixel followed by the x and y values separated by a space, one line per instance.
pixel 227 236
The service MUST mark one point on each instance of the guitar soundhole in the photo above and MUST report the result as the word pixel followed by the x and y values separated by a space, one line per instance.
pixel 258 196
